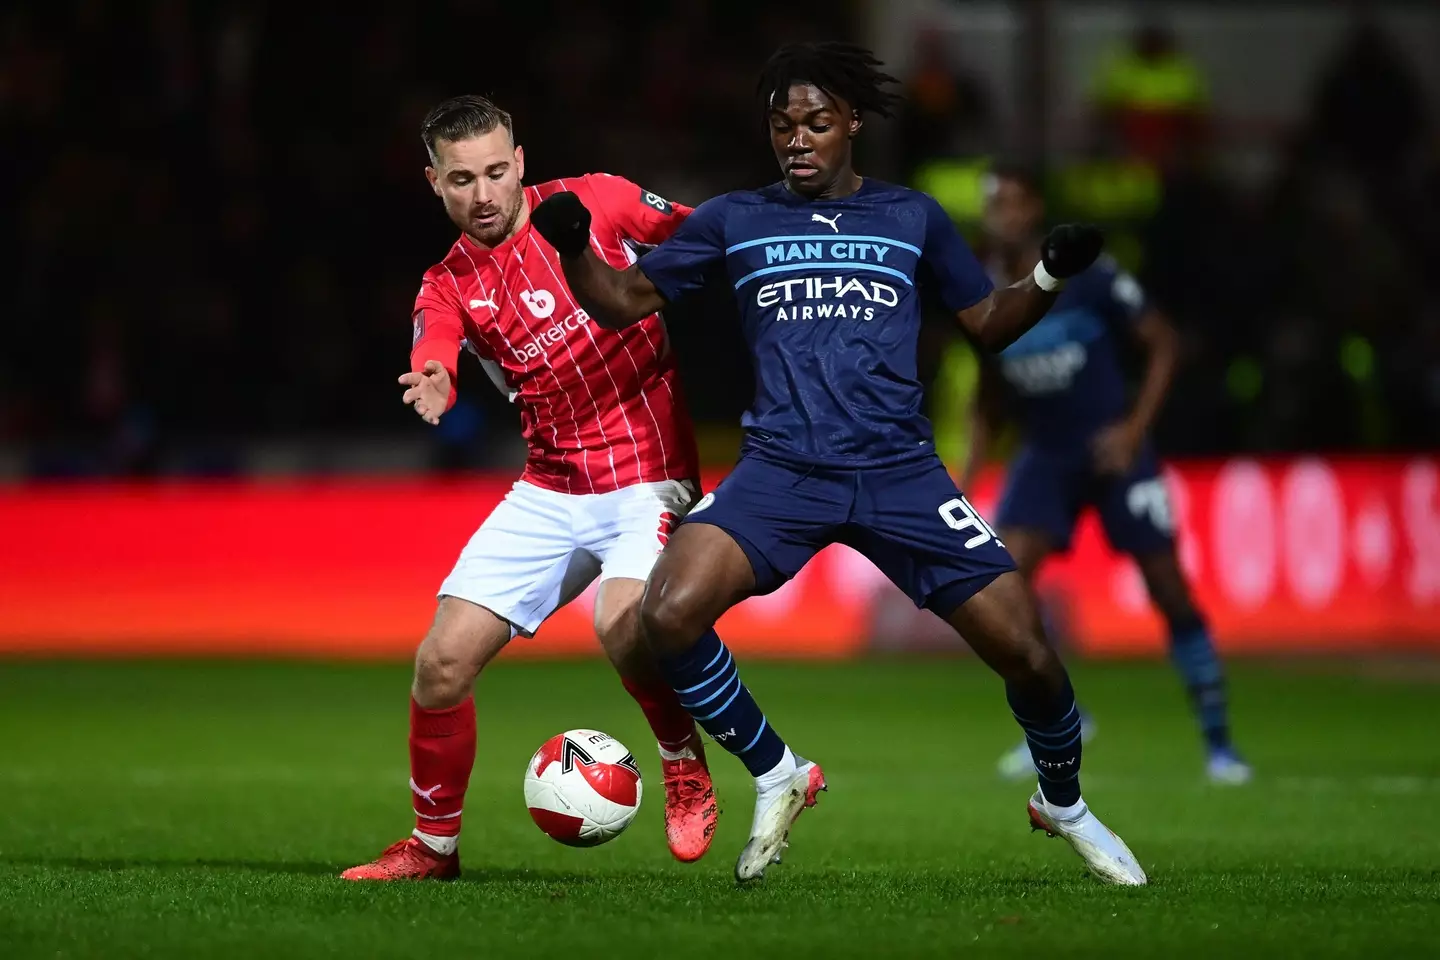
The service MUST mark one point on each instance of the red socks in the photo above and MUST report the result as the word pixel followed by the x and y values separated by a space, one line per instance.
pixel 442 751
pixel 442 754
pixel 669 721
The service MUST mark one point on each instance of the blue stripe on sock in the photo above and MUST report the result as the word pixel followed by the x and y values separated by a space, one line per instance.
pixel 764 722
pixel 1063 733
pixel 732 717
pixel 1027 722
pixel 1058 746
pixel 710 679
pixel 1058 740
pixel 1055 745
pixel 738 687
pixel 718 690
pixel 723 649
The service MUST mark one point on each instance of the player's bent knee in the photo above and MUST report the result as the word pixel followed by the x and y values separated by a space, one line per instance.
pixel 662 621
pixel 441 679
pixel 462 640
pixel 617 614
pixel 1024 657
pixel 669 617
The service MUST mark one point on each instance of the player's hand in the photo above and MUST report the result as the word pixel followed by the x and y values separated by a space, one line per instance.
pixel 428 391
pixel 1070 249
pixel 1115 447
pixel 564 222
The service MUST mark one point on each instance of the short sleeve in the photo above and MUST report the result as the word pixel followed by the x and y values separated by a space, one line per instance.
pixel 693 253
pixel 638 214
pixel 948 261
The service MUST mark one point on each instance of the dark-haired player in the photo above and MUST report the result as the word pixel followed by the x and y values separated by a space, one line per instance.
pixel 612 467
pixel 1086 444
pixel 826 268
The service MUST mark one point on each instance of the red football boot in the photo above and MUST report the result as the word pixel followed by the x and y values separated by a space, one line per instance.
pixel 408 859
pixel 690 806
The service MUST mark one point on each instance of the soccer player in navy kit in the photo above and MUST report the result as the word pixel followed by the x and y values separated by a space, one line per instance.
pixel 827 268
pixel 1086 445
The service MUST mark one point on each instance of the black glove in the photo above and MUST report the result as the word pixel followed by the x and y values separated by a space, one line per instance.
pixel 565 223
pixel 1070 248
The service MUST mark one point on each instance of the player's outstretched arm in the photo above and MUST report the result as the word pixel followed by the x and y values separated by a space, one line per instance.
pixel 428 390
pixel 1002 317
pixel 614 298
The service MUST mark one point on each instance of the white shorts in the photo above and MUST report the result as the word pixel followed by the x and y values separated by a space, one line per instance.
pixel 540 549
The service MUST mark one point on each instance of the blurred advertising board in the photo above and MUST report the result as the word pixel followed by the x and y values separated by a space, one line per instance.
pixel 1314 554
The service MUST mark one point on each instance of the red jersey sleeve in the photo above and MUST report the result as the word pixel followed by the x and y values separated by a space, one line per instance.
pixel 638 214
pixel 438 330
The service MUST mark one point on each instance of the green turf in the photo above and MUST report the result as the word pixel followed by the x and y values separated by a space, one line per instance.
pixel 202 810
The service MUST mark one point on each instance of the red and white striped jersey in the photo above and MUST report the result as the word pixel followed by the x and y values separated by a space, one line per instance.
pixel 600 409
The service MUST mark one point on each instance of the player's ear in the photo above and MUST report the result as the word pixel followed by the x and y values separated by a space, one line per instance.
pixel 520 161
pixel 434 179
pixel 856 122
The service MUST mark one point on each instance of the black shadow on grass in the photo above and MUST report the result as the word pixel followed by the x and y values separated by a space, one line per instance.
pixel 109 864
pixel 512 877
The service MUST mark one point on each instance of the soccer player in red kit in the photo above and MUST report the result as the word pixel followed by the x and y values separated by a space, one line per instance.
pixel 612 468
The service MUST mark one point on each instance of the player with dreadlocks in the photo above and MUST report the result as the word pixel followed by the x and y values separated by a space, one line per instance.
pixel 826 268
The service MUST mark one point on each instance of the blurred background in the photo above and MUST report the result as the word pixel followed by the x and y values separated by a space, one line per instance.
pixel 213 224
pixel 216 220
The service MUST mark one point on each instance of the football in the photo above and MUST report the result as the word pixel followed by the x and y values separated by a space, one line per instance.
pixel 582 787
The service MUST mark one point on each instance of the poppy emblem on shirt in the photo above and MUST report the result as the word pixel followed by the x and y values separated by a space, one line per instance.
pixel 540 303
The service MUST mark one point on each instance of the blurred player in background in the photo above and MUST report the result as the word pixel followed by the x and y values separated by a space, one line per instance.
pixel 1086 445
pixel 825 267
pixel 612 468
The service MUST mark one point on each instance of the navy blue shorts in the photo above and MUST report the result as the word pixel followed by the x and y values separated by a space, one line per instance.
pixel 1047 489
pixel 910 520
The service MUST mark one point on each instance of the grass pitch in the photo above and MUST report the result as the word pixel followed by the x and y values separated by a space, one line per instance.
pixel 203 810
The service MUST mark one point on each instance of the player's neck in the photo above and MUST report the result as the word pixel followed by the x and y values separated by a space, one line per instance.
pixel 848 183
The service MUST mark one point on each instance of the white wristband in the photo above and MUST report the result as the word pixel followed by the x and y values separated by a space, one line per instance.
pixel 1044 281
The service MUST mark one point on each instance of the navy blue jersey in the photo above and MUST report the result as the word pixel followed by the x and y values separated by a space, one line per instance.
pixel 1066 369
pixel 827 291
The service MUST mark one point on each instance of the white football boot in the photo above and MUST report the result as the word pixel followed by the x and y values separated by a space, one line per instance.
pixel 1225 768
pixel 776 810
pixel 1104 853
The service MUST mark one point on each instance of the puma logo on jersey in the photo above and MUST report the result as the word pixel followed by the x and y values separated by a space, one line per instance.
pixel 540 303
pixel 828 221
pixel 487 302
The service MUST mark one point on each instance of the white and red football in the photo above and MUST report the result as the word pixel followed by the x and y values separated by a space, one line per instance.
pixel 582 787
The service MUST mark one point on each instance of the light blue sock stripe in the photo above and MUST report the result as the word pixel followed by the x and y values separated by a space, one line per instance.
pixel 718 690
pixel 1025 722
pixel 738 687
pixel 1071 729
pixel 755 739
pixel 1061 746
pixel 723 649
pixel 713 677
pixel 1064 726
